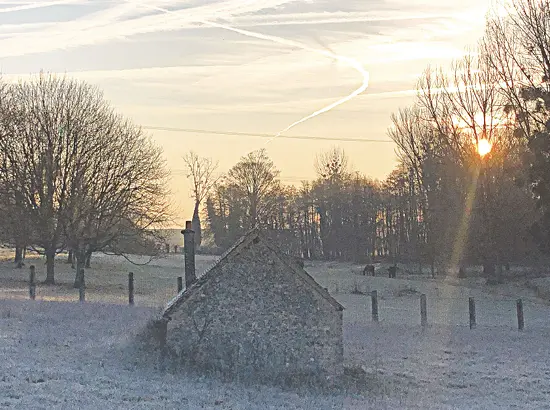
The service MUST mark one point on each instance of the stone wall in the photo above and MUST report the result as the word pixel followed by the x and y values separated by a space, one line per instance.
pixel 256 319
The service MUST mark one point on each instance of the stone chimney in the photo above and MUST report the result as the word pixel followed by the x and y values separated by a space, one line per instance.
pixel 189 252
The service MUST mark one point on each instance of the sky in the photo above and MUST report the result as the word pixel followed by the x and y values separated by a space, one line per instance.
pixel 183 68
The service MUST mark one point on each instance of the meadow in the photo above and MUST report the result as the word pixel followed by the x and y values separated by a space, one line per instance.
pixel 59 353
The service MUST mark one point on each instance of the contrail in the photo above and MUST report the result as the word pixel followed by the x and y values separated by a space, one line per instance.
pixel 291 43
pixel 352 63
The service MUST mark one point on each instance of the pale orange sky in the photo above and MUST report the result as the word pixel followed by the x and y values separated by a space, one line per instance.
pixel 166 70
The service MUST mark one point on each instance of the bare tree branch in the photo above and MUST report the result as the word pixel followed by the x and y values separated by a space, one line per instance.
pixel 201 174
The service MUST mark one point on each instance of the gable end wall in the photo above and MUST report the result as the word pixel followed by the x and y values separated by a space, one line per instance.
pixel 257 318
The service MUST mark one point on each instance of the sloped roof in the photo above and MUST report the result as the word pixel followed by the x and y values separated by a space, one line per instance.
pixel 235 250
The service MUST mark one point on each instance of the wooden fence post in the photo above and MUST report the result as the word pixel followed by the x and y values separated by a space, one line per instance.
pixel 161 328
pixel 180 284
pixel 521 323
pixel 82 288
pixel 131 288
pixel 374 298
pixel 472 309
pixel 32 283
pixel 423 311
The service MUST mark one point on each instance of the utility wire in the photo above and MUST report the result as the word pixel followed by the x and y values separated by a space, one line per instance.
pixel 289 178
pixel 246 134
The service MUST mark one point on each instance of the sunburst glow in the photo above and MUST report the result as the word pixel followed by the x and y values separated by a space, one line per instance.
pixel 484 147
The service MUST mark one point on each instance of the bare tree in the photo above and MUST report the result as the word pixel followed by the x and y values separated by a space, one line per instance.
pixel 463 198
pixel 517 45
pixel 438 113
pixel 202 177
pixel 415 139
pixel 330 195
pixel 254 180
pixel 118 192
pixel 332 164
pixel 77 171
pixel 462 107
pixel 14 227
pixel 38 166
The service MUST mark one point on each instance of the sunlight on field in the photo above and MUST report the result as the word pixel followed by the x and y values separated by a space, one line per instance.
pixel 57 298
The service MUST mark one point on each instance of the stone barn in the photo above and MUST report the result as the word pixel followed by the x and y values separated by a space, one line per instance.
pixel 256 315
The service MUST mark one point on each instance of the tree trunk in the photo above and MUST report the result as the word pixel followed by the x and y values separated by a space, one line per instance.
pixel 79 276
pixel 196 225
pixel 88 259
pixel 19 256
pixel 70 257
pixel 50 266
pixel 323 234
pixel 80 257
pixel 253 212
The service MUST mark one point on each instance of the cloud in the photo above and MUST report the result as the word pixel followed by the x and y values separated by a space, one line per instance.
pixel 321 18
pixel 121 20
pixel 124 19
pixel 230 75
pixel 36 5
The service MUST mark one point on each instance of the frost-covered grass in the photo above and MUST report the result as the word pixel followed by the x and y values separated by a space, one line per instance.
pixel 61 354
pixel 66 355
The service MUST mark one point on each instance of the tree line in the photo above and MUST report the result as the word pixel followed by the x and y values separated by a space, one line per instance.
pixel 472 184
pixel 344 215
pixel 74 174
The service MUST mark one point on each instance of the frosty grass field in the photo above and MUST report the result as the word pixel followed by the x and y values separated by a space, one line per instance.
pixel 57 353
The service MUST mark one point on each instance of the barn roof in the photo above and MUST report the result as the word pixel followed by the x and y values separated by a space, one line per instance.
pixel 252 237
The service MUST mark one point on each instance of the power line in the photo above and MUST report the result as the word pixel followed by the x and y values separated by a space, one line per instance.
pixel 260 135
pixel 287 178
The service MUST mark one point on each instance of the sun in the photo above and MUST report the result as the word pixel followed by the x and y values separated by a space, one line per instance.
pixel 484 147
